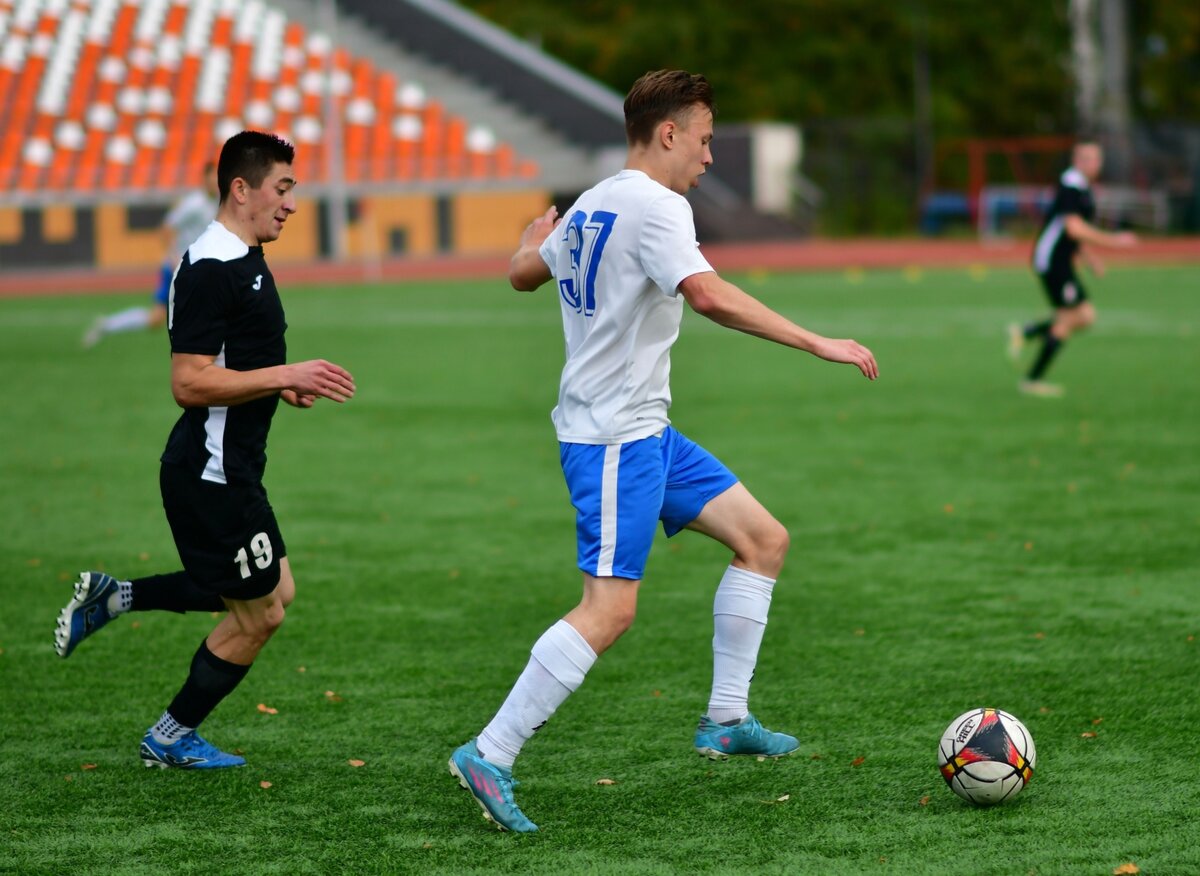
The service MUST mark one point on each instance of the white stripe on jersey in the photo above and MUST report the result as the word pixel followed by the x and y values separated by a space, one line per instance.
pixel 608 511
pixel 1046 243
pixel 214 441
pixel 1053 232
pixel 217 242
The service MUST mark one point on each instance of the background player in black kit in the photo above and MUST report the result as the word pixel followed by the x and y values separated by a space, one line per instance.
pixel 1067 227
pixel 226 325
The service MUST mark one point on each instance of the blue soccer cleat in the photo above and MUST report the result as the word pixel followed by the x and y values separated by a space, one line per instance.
pixel 86 612
pixel 491 786
pixel 717 742
pixel 192 752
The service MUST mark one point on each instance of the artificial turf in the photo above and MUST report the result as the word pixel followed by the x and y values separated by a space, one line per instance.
pixel 954 545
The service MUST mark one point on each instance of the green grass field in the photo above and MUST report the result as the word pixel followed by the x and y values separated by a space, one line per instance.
pixel 954 545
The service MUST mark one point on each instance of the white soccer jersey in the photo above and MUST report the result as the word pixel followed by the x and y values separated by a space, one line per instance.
pixel 189 219
pixel 617 259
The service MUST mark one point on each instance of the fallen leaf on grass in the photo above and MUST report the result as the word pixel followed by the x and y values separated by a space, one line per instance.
pixel 606 781
pixel 357 763
pixel 815 757
pixel 782 799
pixel 858 761
pixel 332 697
pixel 301 669
pixel 427 845
pixel 1043 711
pixel 144 557
pixel 1126 868
pixel 264 784
pixel 88 766
pixel 135 625
pixel 1097 720
pixel 1088 735
pixel 238 752
pixel 265 709
pixel 1039 635
pixel 69 778
pixel 860 632
pixel 924 801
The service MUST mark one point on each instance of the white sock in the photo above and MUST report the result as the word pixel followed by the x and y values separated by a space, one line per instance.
pixel 168 730
pixel 560 660
pixel 739 620
pixel 127 320
pixel 121 601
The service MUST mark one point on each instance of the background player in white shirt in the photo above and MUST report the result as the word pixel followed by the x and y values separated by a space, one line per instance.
pixel 622 258
pixel 186 221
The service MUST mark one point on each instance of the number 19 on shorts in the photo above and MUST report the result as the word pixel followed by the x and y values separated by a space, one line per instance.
pixel 260 547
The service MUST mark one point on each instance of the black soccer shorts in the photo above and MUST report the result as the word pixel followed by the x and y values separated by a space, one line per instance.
pixel 226 534
pixel 1063 288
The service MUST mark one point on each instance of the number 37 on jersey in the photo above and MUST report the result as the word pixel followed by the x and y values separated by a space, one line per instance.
pixel 585 238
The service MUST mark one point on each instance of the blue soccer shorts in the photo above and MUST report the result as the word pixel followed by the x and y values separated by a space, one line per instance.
pixel 621 491
pixel 165 273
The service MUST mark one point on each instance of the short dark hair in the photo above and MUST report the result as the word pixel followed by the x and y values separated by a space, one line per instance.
pixel 251 155
pixel 661 95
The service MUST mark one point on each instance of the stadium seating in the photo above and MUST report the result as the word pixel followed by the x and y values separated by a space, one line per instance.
pixel 128 95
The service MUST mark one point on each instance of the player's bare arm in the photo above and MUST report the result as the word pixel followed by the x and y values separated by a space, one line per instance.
pixel 1092 260
pixel 197 381
pixel 527 271
pixel 727 305
pixel 1084 232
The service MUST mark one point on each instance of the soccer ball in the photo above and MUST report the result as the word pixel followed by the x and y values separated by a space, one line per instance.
pixel 986 756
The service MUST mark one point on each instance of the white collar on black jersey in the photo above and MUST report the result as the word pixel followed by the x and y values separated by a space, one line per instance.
pixel 217 242
pixel 1074 178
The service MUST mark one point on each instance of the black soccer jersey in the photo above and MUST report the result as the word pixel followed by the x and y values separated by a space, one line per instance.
pixel 1055 249
pixel 224 303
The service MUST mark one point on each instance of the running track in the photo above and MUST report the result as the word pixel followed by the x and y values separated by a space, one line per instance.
pixel 816 255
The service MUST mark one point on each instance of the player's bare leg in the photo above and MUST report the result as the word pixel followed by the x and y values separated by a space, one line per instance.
pixel 558 663
pixel 1067 321
pixel 219 665
pixel 759 544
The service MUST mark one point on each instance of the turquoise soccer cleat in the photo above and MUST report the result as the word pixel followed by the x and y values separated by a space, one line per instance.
pixel 85 613
pixel 491 786
pixel 718 742
pixel 192 752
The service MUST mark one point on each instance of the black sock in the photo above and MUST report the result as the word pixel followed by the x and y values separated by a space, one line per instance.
pixel 1050 346
pixel 1035 329
pixel 172 592
pixel 210 681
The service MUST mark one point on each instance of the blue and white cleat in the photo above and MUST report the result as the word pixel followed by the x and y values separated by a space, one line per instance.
pixel 717 741
pixel 86 612
pixel 192 752
pixel 491 786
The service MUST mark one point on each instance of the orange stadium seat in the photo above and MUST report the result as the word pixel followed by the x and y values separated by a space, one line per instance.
pixel 35 39
pixel 138 94
pixel 381 131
